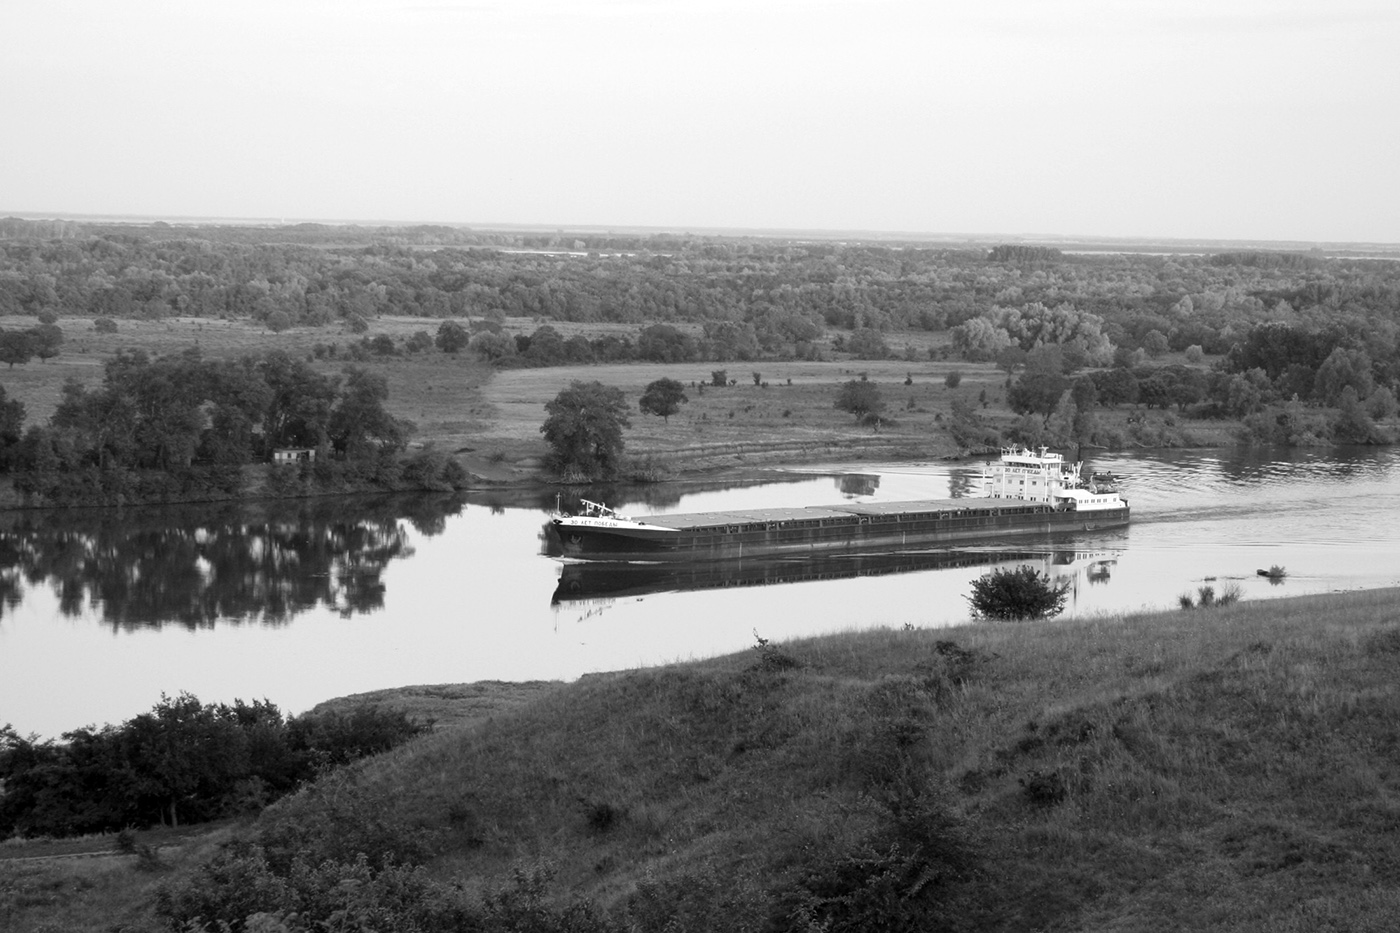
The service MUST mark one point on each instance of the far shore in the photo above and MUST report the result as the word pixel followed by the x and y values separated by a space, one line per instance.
pixel 768 414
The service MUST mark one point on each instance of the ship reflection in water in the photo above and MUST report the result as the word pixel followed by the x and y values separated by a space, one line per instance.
pixel 586 580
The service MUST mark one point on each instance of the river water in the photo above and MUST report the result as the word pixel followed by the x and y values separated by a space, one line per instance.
pixel 102 611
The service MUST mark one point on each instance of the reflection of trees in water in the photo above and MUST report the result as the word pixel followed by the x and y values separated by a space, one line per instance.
pixel 198 567
pixel 965 483
pixel 858 484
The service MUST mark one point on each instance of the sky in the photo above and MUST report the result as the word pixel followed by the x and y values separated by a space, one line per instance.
pixel 1213 119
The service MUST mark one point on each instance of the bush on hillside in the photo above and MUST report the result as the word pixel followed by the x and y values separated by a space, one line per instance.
pixel 915 872
pixel 183 762
pixel 1014 595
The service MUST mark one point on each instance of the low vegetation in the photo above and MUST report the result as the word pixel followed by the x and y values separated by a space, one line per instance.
pixel 1231 770
pixel 1017 594
pixel 1206 596
pixel 184 761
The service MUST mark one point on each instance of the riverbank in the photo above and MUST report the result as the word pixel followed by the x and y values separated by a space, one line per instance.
pixel 1228 769
pixel 776 412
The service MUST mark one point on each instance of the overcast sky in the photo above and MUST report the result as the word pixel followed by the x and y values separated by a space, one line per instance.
pixel 1264 119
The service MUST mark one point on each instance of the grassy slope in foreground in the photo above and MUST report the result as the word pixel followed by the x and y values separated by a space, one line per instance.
pixel 1231 769
pixel 1235 768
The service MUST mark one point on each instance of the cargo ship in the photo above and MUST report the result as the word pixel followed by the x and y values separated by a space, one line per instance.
pixel 1025 492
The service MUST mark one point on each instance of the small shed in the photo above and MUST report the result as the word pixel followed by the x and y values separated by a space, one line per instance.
pixel 293 454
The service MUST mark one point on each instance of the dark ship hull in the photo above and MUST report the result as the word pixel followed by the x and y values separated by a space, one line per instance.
pixel 831 529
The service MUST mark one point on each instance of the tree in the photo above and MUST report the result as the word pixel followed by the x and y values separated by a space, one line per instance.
pixel 1155 343
pixel 1381 404
pixel 382 345
pixel 1037 393
pixel 1352 425
pixel 452 337
pixel 867 343
pixel 1115 386
pixel 1014 595
pixel 16 346
pixel 1011 358
pixel 965 426
pixel 861 398
pixel 299 403
pixel 238 397
pixel 663 397
pixel 278 321
pixel 584 429
pixel 665 344
pixel 546 347
pixel 493 346
pixel 730 340
pixel 11 428
pixel 979 339
pixel 359 425
pixel 45 340
pixel 1342 369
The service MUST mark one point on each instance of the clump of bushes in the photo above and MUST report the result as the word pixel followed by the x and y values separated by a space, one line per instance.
pixel 1206 597
pixel 1017 594
pixel 771 658
pixel 183 762
pixel 911 873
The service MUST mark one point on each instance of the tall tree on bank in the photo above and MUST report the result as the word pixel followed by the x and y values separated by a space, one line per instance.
pixel 301 399
pixel 861 398
pixel 359 425
pixel 584 430
pixel 663 397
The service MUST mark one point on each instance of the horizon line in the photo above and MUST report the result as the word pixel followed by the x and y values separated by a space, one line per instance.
pixel 676 229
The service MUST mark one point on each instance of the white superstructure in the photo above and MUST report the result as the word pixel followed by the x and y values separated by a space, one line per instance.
pixel 1044 476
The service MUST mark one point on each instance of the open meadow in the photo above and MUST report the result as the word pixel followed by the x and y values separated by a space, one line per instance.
pixel 490 419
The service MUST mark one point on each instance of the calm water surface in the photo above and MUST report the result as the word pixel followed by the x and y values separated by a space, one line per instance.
pixel 101 612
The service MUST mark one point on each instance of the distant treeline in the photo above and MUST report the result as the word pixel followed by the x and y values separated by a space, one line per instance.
pixel 786 290
pixel 1288 385
pixel 183 762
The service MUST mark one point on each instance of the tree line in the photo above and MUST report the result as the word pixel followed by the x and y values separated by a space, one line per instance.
pixel 183 762
pixel 788 292
pixel 187 424
pixel 1287 385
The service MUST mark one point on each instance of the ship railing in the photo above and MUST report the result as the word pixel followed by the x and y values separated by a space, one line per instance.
pixel 593 509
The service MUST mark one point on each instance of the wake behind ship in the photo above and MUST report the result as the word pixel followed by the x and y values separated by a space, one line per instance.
pixel 1026 492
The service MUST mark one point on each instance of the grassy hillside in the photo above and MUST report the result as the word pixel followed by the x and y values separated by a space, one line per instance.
pixel 1233 769
pixel 1196 770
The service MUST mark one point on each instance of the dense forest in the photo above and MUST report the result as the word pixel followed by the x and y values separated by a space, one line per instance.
pixel 788 292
